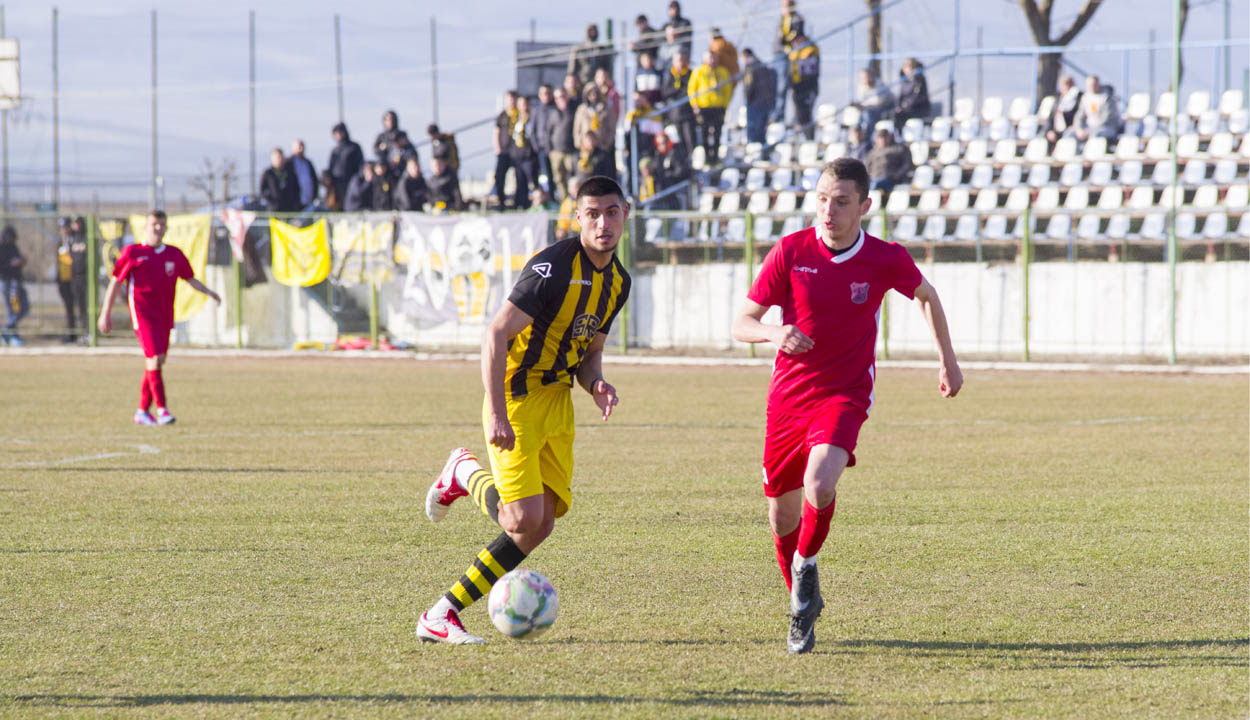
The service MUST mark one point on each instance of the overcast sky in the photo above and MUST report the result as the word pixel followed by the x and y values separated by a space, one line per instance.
pixel 105 70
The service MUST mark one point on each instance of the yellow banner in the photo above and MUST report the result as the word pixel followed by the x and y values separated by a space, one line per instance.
pixel 188 233
pixel 301 256
pixel 362 250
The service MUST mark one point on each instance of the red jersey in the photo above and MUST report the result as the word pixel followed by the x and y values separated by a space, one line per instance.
pixel 153 275
pixel 834 300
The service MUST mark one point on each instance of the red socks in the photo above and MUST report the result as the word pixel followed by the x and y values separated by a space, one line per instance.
pixel 145 393
pixel 786 545
pixel 156 384
pixel 814 528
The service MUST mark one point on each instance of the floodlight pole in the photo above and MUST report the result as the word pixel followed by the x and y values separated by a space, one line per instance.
pixel 1172 240
pixel 155 173
pixel 434 67
pixel 56 119
pixel 338 64
pixel 251 98
pixel 4 133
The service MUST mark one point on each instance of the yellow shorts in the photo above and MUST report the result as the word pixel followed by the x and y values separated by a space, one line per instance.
pixel 543 454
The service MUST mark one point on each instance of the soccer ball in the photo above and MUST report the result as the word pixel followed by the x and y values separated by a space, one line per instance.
pixel 523 604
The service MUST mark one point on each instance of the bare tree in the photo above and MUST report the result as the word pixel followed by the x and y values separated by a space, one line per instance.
pixel 874 35
pixel 1048 64
pixel 210 175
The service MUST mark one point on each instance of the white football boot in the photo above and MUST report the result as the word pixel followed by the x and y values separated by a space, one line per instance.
pixel 445 489
pixel 447 629
pixel 143 417
pixel 164 417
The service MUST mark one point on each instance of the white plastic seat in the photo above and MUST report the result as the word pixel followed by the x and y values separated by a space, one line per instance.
pixel 1216 225
pixel 1111 198
pixel 1047 198
pixel 958 199
pixel 1138 106
pixel 919 153
pixel 1037 151
pixel 1027 128
pixel 1130 172
pixel 997 227
pixel 783 153
pixel 982 176
pixel 1243 227
pixel 1088 227
pixel 1230 101
pixel 1077 199
pixel 1065 149
pixel 829 133
pixel 1011 176
pixel 1162 174
pixel 730 202
pixel 922 177
pixel 786 202
pixel 1117 226
pixel 1004 151
pixel 1208 123
pixel 1187 145
pixel 698 158
pixel 809 154
pixel 874 196
pixel 782 179
pixel 905 228
pixel 1058 227
pixel 976 152
pixel 810 176
pixel 992 108
pixel 1159 147
pixel 740 118
pixel 774 133
pixel 940 129
pixel 758 202
pixel 1186 226
pixel 654 226
pixel 729 179
pixel 965 107
pixel 707 202
pixel 986 200
pixel 793 224
pixel 835 150
pixel 966 227
pixel 1166 107
pixel 1206 196
pixel 1238 198
pixel 952 176
pixel 913 130
pixel 1001 128
pixel 1020 108
pixel 1039 175
pixel 969 130
pixel 1095 148
pixel 1127 148
pixel 1225 171
pixel 1150 127
pixel 930 200
pixel 1045 107
pixel 876 226
pixel 1153 227
pixel 756 179
pixel 1142 198
pixel 1165 197
pixel 851 116
pixel 811 202
pixel 1100 173
pixel 751 153
pixel 1199 102
pixel 826 113
pixel 899 200
pixel 736 230
pixel 1017 199
pixel 1239 121
pixel 934 228
pixel 1072 174
pixel 948 152
pixel 1195 172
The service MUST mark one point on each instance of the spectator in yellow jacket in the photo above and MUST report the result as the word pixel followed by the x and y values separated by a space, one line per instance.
pixel 726 54
pixel 709 93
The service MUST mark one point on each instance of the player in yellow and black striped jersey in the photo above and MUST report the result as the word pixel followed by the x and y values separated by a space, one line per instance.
pixel 549 334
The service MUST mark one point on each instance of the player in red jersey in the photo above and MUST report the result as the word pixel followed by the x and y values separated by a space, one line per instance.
pixel 153 269
pixel 829 282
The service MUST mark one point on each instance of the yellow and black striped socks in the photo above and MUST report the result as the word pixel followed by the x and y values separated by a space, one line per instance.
pixel 500 557
pixel 481 487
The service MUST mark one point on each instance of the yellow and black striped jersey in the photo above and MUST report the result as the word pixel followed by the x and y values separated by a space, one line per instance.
pixel 570 300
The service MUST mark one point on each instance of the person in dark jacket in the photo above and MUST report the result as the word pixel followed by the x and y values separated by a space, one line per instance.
pixel 502 142
pixel 675 87
pixel 346 159
pixel 759 86
pixel 443 146
pixel 671 165
pixel 305 174
pixel 382 187
pixel 594 160
pixel 805 82
pixel 913 94
pixel 889 163
pixel 589 56
pixel 388 139
pixel 539 130
pixel 12 290
pixel 278 187
pixel 444 188
pixel 359 194
pixel 682 27
pixel 563 151
pixel 411 192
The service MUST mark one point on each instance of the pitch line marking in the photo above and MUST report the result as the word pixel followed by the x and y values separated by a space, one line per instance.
pixel 140 449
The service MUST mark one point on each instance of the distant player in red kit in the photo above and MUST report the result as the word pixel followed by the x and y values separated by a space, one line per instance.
pixel 829 282
pixel 153 269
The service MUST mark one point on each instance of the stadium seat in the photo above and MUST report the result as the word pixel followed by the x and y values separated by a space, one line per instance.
pixel 1165 196
pixel 741 116
pixel 987 199
pixel 1130 172
pixel 969 130
pixel 1239 121
pixel 750 153
pixel 1186 226
pixel 913 130
pixel 1159 147
pixel 1058 227
pixel 1165 109
pixel 1018 199
pixel 919 153
pixel 1154 227
pixel 736 229
pixel 1011 176
pixel 698 158
pixel 850 116
pixel 876 226
pixel 782 179
pixel 1208 123
pixel 997 227
pixel 1143 198
pixel 1004 151
pixel 966 227
pixel 1138 106
pixel 1221 145
pixel 1149 127
pixel 1072 174
pixel 1100 173
pixel 654 226
pixel 976 152
pixel 1020 108
pixel 934 228
pixel 756 179
pixel 793 224
pixel 1243 227
pixel 758 203
pixel 834 151
pixel 940 129
pixel 1225 171
pixel 809 154
pixel 1117 226
pixel 1206 196
pixel 707 202
pixel 774 133
pixel 1039 175
pixel 729 179
pixel 948 152
pixel 1111 198
pixel 875 197
pixel 899 201
pixel 1238 198
pixel 1047 198
pixel 1195 172
pixel 1187 145
pixel 1216 225
pixel 1184 124
pixel 730 202
pixel 810 176
pixel 991 109
pixel 1027 128
pixel 1045 107
pixel 1231 101
pixel 1001 129
pixel 1245 146
pixel 965 108
pixel 1095 148
pixel 930 200
pixel 1088 227
pixel 1077 199
pixel 923 177
pixel 786 202
pixel 811 201
pixel 826 114
pixel 1199 102
pixel 783 153
pixel 1162 174
pixel 1128 148
pixel 1065 149
pixel 982 176
pixel 952 176
pixel 904 229
pixel 958 199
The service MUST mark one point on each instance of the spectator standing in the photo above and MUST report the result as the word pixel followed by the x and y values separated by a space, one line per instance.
pixel 648 42
pixel 709 93
pixel 12 290
pixel 301 168
pixel 78 266
pixel 524 158
pixel 607 88
pixel 889 163
pixel 874 99
pixel 671 166
pixel 759 87
pixel 382 187
pixel 278 187
pixel 443 146
pixel 563 152
pixel 540 133
pixel 594 116
pixel 790 27
pixel 1097 115
pixel 805 82
pixel 589 56
pixel 444 188
pixel 411 192
pixel 726 55
pixel 573 87
pixel 593 159
pixel 359 195
pixel 389 137
pixel 856 146
pixel 1064 114
pixel 676 87
pixel 684 33
pixel 647 79
pixel 503 142
pixel 913 94
pixel 346 159
pixel 65 275
pixel 669 48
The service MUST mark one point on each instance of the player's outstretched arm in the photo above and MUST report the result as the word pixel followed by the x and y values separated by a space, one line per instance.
pixel 507 324
pixel 201 287
pixel 590 377
pixel 950 378
pixel 748 328
pixel 105 321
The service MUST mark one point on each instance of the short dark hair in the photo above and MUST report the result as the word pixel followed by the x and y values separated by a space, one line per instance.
pixel 545 85
pixel 847 168
pixel 599 186
pixel 641 20
pixel 158 214
pixel 432 129
pixel 748 52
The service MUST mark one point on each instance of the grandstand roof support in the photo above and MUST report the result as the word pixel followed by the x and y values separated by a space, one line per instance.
pixel 1177 25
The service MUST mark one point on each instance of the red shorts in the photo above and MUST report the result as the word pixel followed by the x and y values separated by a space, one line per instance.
pixel 153 339
pixel 789 438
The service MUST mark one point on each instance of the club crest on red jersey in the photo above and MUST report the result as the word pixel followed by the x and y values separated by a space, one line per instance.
pixel 170 267
pixel 859 293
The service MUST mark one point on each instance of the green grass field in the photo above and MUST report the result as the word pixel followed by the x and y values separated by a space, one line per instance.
pixel 1045 545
